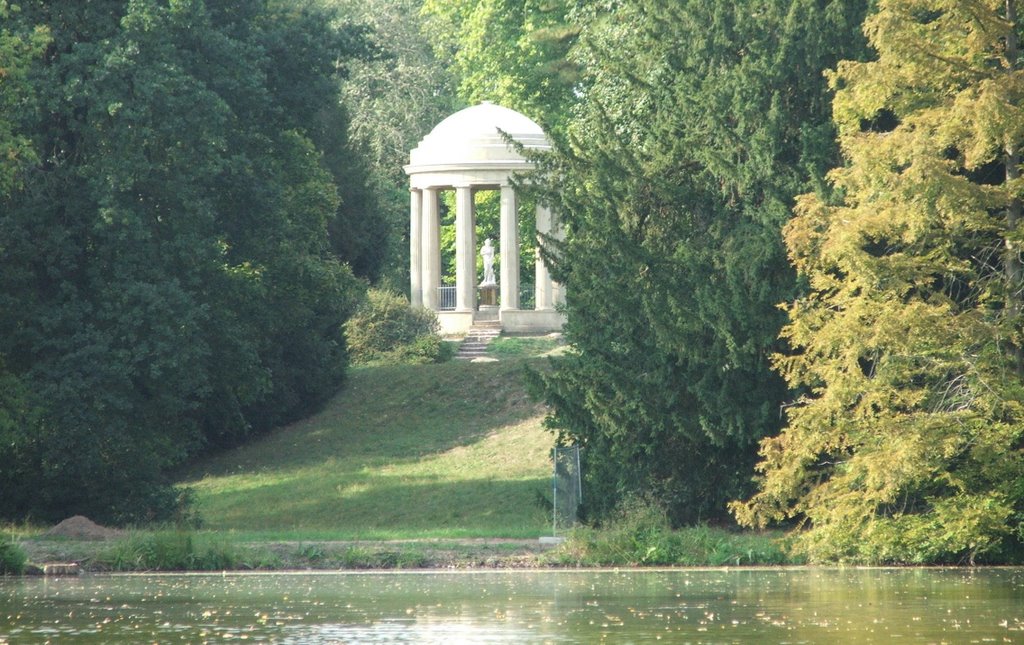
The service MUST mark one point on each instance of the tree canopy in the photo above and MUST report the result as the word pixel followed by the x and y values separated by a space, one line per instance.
pixel 168 275
pixel 18 48
pixel 394 98
pixel 698 122
pixel 511 52
pixel 907 440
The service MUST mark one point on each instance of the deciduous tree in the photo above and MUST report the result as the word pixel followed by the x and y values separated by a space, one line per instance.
pixel 511 52
pixel 167 278
pixel 395 97
pixel 17 50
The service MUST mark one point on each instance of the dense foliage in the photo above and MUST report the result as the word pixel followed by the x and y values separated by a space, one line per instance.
pixel 395 98
pixel 19 45
pixel 907 443
pixel 698 122
pixel 511 52
pixel 167 275
pixel 387 329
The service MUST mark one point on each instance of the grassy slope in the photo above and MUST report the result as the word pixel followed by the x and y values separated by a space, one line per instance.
pixel 450 450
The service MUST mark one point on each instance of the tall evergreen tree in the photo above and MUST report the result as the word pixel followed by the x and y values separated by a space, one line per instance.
pixel 907 443
pixel 699 122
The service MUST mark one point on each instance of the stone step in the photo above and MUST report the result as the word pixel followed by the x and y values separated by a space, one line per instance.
pixel 479 336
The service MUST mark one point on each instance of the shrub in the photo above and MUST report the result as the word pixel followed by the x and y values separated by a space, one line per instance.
pixel 12 557
pixel 386 329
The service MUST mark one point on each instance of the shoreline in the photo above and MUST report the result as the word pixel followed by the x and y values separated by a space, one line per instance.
pixel 92 557
pixel 99 556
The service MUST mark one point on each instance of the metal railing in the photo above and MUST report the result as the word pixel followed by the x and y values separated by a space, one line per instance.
pixel 527 295
pixel 446 298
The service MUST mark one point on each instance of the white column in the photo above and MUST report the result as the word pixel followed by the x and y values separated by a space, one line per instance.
pixel 415 248
pixel 431 249
pixel 557 232
pixel 544 293
pixel 509 249
pixel 465 251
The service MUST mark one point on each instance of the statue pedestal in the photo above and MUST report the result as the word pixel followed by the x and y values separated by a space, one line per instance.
pixel 488 295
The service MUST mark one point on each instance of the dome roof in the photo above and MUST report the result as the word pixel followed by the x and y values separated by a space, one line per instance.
pixel 473 137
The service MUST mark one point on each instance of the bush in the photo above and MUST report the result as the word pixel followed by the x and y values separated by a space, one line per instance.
pixel 386 329
pixel 12 557
pixel 425 349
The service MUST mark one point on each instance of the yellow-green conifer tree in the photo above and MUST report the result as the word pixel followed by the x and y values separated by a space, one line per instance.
pixel 906 441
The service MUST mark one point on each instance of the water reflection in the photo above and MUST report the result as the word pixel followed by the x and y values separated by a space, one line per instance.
pixel 699 606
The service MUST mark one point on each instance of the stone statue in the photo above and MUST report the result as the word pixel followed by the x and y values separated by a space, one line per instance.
pixel 487 253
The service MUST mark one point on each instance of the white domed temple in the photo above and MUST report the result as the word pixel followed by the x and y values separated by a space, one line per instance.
pixel 468 152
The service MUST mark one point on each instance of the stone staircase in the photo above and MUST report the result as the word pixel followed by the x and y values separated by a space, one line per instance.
pixel 479 336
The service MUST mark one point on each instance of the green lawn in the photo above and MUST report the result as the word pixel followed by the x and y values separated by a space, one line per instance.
pixel 526 346
pixel 450 450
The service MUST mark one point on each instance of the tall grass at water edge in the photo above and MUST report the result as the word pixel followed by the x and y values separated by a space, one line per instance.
pixel 12 557
pixel 639 534
pixel 175 550
pixel 172 551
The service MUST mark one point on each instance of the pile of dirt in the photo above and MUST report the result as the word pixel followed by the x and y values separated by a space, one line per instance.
pixel 80 527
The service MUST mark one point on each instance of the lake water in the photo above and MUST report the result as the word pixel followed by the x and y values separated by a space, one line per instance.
pixel 677 606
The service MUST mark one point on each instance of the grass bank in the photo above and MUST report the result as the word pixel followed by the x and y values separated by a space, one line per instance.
pixel 409 451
